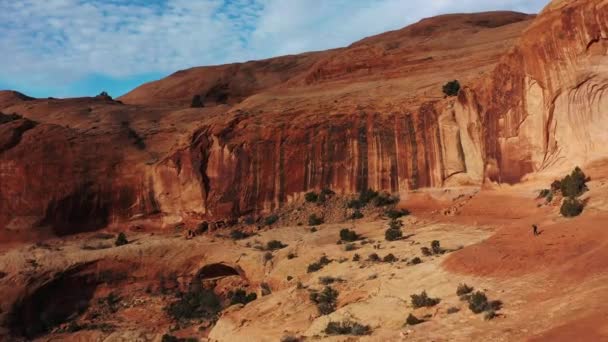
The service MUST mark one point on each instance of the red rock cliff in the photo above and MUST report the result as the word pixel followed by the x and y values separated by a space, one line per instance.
pixel 368 115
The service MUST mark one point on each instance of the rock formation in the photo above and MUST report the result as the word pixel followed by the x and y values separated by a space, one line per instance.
pixel 370 115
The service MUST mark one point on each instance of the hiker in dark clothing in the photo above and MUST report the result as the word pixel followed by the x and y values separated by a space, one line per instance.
pixel 535 229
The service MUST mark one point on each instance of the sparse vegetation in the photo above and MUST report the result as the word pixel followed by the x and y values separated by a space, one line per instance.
pixel 270 220
pixel 356 257
pixel 451 88
pixel 571 207
pixel 266 290
pixel 453 310
pixel 423 300
pixel 329 280
pixel 436 247
pixel 394 214
pixel 413 320
pixel 426 251
pixel 574 184
pixel 350 247
pixel 121 240
pixel 315 266
pixel 384 199
pixel 393 233
pixel 290 338
pixel 311 197
pixel 347 327
pixel 314 220
pixel 291 255
pixel 236 234
pixel 463 289
pixel 348 235
pixel 544 193
pixel 273 245
pixel 201 303
pixel 374 257
pixel 325 300
pixel 390 258
pixel 357 214
pixel 415 261
pixel 267 257
pixel 478 303
pixel 241 297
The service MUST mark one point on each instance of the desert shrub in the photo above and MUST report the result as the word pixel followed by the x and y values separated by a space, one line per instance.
pixel 426 251
pixel 423 300
pixel 395 224
pixel 436 247
pixel 463 289
pixel 347 328
pixel 350 247
pixel 236 234
pixel 453 310
pixel 367 196
pixel 556 185
pixel 544 193
pixel 195 304
pixel 329 280
pixel 394 214
pixel 325 300
pixel 451 88
pixel 202 228
pixel 490 314
pixel 241 297
pixel 393 234
pixel 348 235
pixel 311 197
pixel 313 220
pixel 384 199
pixel 373 257
pixel 290 338
pixel 478 302
pixel 313 229
pixel 415 261
pixel 389 258
pixel 171 338
pixel 356 257
pixel 574 184
pixel 357 214
pixel 291 255
pixel 196 102
pixel 315 266
pixel 413 320
pixel 571 207
pixel 354 204
pixel 121 239
pixel 270 220
pixel 273 245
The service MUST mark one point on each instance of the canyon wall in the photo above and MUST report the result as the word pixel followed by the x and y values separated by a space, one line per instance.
pixel 371 115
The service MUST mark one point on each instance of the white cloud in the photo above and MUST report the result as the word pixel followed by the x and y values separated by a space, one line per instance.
pixel 61 41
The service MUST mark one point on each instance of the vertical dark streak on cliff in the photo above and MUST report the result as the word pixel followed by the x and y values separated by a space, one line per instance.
pixel 409 124
pixel 362 167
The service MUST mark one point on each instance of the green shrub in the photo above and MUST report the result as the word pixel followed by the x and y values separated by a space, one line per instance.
pixel 241 297
pixel 236 234
pixel 463 289
pixel 426 251
pixel 556 185
pixel 313 220
pixel 544 193
pixel 436 247
pixel 423 300
pixel 357 214
pixel 384 199
pixel 395 224
pixel 478 302
pixel 347 328
pixel 273 245
pixel 413 320
pixel 451 88
pixel 311 197
pixel 356 257
pixel 195 304
pixel 329 280
pixel 315 266
pixel 121 239
pixel 571 207
pixel 291 255
pixel 393 234
pixel 390 258
pixel 325 300
pixel 574 184
pixel 374 257
pixel 490 314
pixel 394 214
pixel 270 220
pixel 354 204
pixel 348 235
pixel 415 261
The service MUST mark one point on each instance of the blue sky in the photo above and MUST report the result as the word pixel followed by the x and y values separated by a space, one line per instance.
pixel 65 48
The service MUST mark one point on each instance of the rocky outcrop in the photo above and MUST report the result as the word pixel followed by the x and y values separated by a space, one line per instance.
pixel 371 115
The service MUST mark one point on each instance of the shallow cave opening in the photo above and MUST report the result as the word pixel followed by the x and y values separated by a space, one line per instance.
pixel 55 302
pixel 217 271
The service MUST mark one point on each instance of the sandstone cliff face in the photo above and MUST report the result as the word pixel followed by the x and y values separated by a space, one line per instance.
pixel 371 115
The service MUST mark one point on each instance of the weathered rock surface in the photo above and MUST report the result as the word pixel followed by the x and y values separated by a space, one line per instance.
pixel 368 115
